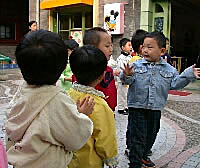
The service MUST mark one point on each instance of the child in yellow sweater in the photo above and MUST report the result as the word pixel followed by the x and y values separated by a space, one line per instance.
pixel 89 64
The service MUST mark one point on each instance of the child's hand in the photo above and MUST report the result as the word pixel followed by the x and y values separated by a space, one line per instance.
pixel 196 71
pixel 116 72
pixel 86 106
pixel 128 70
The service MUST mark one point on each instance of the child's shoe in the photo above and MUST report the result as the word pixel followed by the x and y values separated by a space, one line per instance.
pixel 127 152
pixel 147 163
pixel 150 153
pixel 122 112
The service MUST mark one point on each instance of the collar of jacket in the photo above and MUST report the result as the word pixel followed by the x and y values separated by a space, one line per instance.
pixel 162 61
pixel 125 53
pixel 87 89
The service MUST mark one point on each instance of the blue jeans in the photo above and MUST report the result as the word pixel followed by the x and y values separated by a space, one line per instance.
pixel 144 125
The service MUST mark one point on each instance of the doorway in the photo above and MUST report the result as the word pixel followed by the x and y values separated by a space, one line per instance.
pixel 185 31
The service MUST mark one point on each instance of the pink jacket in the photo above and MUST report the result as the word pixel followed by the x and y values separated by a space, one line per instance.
pixel 3 156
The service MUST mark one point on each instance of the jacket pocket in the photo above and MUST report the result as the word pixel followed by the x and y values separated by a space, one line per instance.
pixel 166 76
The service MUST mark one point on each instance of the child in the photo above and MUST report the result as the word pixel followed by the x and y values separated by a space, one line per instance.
pixel 101 39
pixel 102 146
pixel 66 76
pixel 3 156
pixel 44 123
pixel 124 58
pixel 166 56
pixel 137 41
pixel 149 81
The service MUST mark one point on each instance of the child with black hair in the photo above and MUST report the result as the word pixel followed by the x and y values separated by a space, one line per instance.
pixel 122 90
pixel 137 41
pixel 166 56
pixel 44 124
pixel 100 38
pixel 66 76
pixel 89 64
pixel 149 81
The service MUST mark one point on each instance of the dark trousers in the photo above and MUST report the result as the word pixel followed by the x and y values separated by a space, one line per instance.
pixel 144 125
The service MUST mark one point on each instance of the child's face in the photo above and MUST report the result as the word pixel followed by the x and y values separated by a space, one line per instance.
pixel 151 51
pixel 105 45
pixel 167 45
pixel 127 48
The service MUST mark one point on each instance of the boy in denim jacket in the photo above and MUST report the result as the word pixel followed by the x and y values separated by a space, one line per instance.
pixel 149 81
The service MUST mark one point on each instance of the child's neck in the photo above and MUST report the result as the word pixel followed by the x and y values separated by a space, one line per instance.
pixel 125 53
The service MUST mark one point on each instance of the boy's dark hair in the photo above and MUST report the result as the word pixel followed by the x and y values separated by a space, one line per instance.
pixel 42 57
pixel 87 64
pixel 138 39
pixel 93 36
pixel 71 44
pixel 159 37
pixel 31 22
pixel 123 42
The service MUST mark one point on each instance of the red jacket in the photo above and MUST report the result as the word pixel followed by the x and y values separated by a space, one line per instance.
pixel 107 86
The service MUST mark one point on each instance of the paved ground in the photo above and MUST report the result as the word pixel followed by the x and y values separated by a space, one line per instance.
pixel 178 142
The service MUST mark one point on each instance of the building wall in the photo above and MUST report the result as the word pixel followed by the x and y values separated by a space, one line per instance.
pixel 132 20
pixel 43 16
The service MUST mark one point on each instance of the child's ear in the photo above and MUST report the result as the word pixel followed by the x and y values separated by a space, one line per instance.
pixel 163 51
pixel 101 77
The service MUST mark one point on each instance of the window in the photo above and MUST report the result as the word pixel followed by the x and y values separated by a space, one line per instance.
pixel 77 21
pixel 7 31
pixel 158 9
pixel 158 24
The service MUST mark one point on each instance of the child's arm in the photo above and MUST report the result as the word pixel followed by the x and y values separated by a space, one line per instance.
pixel 127 74
pixel 105 135
pixel 188 75
pixel 69 127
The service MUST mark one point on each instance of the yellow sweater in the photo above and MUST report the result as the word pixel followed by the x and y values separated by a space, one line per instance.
pixel 135 58
pixel 102 146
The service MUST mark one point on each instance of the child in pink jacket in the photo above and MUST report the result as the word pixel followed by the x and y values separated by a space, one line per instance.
pixel 3 156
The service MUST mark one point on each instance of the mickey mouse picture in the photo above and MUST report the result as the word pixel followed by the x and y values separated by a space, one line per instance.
pixel 110 21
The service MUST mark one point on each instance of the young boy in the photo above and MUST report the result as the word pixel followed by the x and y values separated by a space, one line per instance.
pixel 166 56
pixel 66 76
pixel 122 90
pixel 44 122
pixel 101 39
pixel 149 81
pixel 137 41
pixel 102 146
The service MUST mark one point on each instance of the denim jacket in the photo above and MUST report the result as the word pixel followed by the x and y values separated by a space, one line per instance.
pixel 150 83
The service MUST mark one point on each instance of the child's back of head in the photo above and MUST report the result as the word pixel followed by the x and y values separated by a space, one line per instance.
pixel 87 64
pixel 71 44
pixel 42 57
pixel 93 36
pixel 137 40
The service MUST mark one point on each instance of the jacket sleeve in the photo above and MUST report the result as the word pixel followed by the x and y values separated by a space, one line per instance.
pixel 180 81
pixel 105 135
pixel 128 80
pixel 69 127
